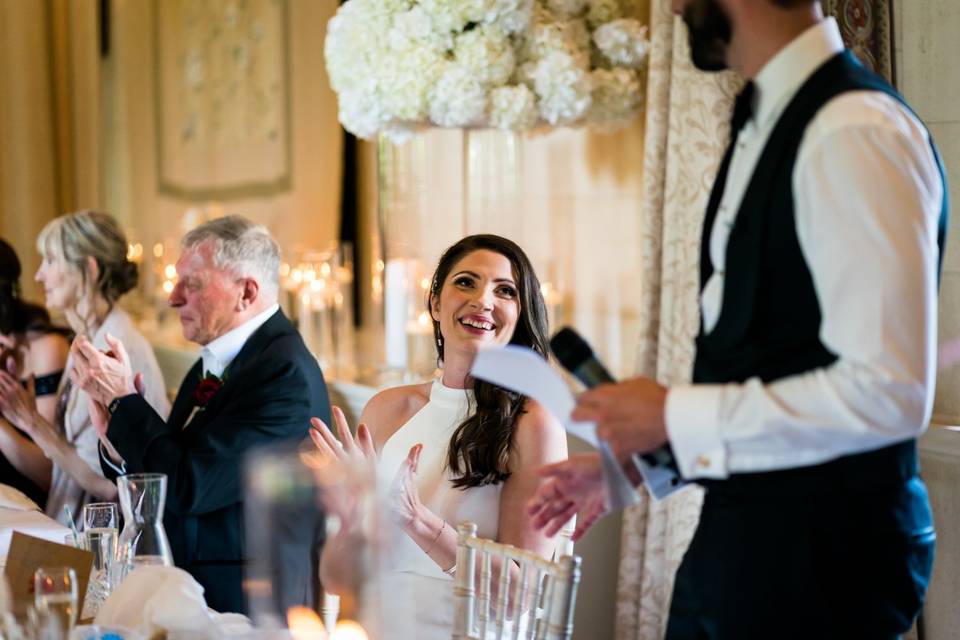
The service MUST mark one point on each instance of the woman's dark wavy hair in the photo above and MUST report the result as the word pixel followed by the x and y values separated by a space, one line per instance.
pixel 479 450
pixel 16 314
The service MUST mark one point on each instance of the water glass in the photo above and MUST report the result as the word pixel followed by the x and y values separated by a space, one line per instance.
pixel 102 543
pixel 55 595
pixel 100 515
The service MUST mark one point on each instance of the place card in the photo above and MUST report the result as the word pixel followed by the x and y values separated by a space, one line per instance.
pixel 27 554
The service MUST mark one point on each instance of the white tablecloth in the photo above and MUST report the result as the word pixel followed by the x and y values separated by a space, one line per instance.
pixel 33 523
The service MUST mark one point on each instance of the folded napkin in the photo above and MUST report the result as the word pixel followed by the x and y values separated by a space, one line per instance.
pixel 11 498
pixel 154 599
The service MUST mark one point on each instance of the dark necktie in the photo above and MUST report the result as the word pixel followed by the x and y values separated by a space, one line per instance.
pixel 742 111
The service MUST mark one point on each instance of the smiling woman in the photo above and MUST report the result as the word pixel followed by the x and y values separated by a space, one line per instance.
pixel 457 448
pixel 484 279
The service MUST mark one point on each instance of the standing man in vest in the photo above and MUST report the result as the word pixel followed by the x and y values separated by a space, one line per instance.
pixel 816 359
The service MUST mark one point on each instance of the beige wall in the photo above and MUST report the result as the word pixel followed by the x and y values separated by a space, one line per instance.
pixel 48 124
pixel 305 216
pixel 926 50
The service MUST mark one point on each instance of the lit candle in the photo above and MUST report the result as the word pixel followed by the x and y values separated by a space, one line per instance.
pixel 421 356
pixel 396 299
pixel 553 299
pixel 305 624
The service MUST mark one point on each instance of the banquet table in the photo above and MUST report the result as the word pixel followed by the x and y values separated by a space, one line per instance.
pixel 31 522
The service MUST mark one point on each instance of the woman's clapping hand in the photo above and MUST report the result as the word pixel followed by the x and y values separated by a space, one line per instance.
pixel 18 404
pixel 404 503
pixel 346 451
pixel 347 448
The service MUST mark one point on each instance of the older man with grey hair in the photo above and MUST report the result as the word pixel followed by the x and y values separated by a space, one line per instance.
pixel 255 385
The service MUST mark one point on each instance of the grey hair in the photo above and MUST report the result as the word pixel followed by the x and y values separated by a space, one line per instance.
pixel 242 247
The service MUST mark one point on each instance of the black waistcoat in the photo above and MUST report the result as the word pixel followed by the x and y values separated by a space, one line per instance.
pixel 769 324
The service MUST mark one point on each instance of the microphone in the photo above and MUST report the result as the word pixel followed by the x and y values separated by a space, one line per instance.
pixel 578 358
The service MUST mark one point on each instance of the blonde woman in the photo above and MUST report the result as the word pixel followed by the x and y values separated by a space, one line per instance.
pixel 84 273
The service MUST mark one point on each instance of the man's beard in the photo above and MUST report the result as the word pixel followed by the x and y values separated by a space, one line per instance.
pixel 709 34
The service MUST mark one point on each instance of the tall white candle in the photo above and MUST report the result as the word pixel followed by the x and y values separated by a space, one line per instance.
pixel 397 287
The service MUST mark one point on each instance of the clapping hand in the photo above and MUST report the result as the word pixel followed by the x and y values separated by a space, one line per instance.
pixel 342 467
pixel 104 376
pixel 346 449
pixel 572 487
pixel 99 415
pixel 18 405
pixel 405 506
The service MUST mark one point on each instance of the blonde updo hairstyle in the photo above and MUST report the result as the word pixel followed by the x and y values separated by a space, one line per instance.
pixel 73 238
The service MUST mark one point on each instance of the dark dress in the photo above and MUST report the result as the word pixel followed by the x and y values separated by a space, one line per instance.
pixel 46 385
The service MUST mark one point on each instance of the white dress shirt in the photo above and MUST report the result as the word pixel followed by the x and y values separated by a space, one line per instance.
pixel 220 352
pixel 867 196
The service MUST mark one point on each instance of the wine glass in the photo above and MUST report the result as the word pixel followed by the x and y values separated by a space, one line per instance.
pixel 55 595
pixel 100 515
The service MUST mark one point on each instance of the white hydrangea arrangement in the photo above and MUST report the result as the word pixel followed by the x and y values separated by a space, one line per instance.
pixel 399 65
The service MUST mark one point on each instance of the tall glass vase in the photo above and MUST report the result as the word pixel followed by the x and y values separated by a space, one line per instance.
pixel 433 190
pixel 493 182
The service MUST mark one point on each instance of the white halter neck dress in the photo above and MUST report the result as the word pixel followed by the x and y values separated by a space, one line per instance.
pixel 416 595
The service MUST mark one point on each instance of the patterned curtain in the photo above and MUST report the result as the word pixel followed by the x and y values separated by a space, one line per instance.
pixel 686 124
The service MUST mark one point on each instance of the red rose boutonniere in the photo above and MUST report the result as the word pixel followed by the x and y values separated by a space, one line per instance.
pixel 208 387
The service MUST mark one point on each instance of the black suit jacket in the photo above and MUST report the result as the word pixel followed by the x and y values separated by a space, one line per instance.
pixel 270 391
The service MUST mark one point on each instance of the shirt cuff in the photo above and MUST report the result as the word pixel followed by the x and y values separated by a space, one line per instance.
pixel 693 427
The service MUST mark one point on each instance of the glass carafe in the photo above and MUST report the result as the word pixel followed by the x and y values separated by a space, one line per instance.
pixel 143 540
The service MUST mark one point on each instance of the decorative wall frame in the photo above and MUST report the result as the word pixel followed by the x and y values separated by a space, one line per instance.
pixel 867 29
pixel 223 117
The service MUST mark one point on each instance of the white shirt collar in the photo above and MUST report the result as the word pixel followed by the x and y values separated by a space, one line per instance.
pixel 220 352
pixel 784 73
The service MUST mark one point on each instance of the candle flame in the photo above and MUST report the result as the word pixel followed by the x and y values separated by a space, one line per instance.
pixel 170 272
pixel 168 286
pixel 305 624
pixel 424 319
pixel 158 250
pixel 348 630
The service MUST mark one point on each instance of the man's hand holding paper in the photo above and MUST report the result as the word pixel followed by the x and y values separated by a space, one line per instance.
pixel 629 415
pixel 594 484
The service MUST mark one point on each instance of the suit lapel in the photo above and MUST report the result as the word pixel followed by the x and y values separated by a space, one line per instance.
pixel 183 404
pixel 275 326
